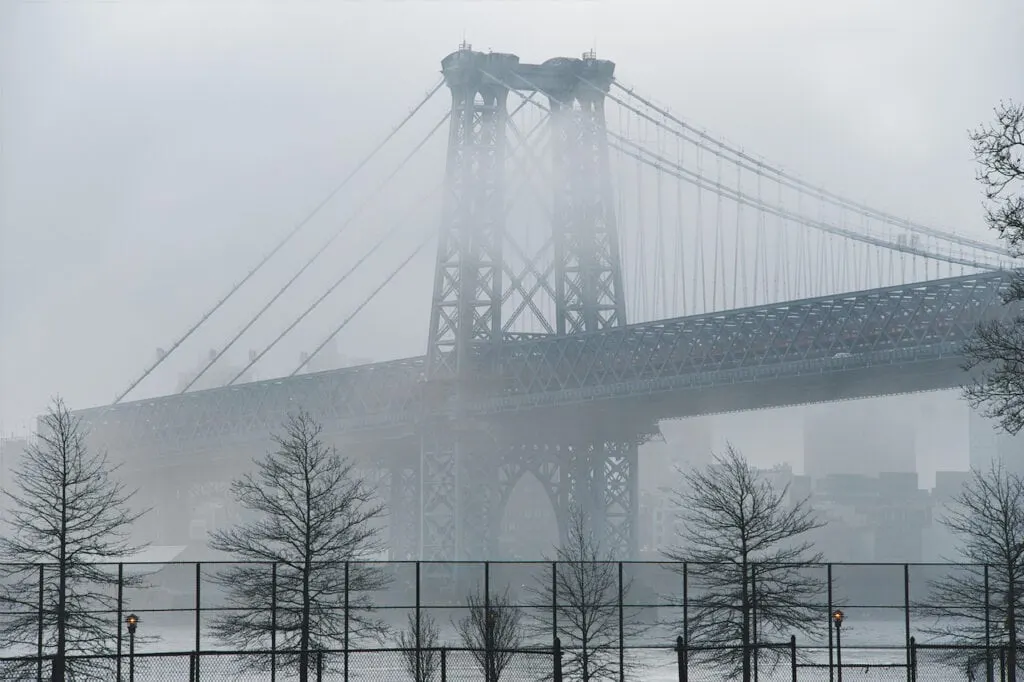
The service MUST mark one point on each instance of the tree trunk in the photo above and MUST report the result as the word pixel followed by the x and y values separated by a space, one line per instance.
pixel 304 627
pixel 1011 624
pixel 745 601
pixel 58 672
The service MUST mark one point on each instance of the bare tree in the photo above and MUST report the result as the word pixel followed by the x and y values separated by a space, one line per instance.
pixel 584 600
pixel 742 541
pixel 996 351
pixel 987 517
pixel 68 515
pixel 313 517
pixel 420 643
pixel 492 632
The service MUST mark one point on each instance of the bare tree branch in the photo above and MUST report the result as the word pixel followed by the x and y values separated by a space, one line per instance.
pixel 999 150
pixel 419 643
pixel 313 516
pixel 69 514
pixel 987 518
pixel 996 351
pixel 743 548
pixel 585 601
pixel 492 631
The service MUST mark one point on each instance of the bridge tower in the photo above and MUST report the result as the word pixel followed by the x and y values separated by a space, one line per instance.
pixel 457 475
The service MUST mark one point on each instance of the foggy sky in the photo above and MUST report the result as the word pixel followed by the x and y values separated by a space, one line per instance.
pixel 153 151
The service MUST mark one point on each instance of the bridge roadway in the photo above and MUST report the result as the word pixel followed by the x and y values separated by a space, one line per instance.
pixel 875 342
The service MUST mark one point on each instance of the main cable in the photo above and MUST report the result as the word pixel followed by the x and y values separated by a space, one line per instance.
pixel 380 242
pixel 365 302
pixel 256 359
pixel 367 200
pixel 288 237
pixel 664 165
pixel 790 179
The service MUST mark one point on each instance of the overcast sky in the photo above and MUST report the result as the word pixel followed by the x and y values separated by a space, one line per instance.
pixel 154 150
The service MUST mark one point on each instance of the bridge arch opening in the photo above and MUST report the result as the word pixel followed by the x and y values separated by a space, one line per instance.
pixel 529 528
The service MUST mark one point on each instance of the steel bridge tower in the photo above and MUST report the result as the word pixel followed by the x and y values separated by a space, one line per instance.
pixel 449 506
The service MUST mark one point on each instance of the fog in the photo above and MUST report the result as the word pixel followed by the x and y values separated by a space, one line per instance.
pixel 152 152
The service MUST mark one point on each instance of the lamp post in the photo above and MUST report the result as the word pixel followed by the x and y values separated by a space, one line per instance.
pixel 837 620
pixel 133 622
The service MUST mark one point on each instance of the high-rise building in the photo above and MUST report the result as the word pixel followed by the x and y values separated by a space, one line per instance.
pixel 11 450
pixel 864 437
pixel 988 443
pixel 685 444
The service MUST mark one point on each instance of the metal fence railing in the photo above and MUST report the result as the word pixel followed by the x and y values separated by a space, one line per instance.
pixel 887 608
pixel 770 662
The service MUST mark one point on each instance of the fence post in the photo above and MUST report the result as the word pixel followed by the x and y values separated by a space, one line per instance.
pixel 906 615
pixel 913 659
pixel 444 665
pixel 120 615
pixel 199 579
pixel 989 666
pixel 558 660
pixel 192 672
pixel 419 649
pixel 347 626
pixel 622 635
pixel 39 634
pixel 684 655
pixel 319 665
pixel 831 662
pixel 554 600
pixel 273 621
pixel 792 655
pixel 680 659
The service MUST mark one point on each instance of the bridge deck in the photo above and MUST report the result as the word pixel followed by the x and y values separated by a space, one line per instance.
pixel 896 325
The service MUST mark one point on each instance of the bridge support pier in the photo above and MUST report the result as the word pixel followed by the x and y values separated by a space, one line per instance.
pixel 457 469
pixel 603 483
pixel 595 469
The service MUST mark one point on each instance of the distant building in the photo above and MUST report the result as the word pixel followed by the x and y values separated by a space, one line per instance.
pixel 939 543
pixel 859 437
pixel 657 526
pixel 685 444
pixel 988 443
pixel 871 518
pixel 11 450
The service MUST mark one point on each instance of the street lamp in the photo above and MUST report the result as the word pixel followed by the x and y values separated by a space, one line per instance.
pixel 133 622
pixel 837 620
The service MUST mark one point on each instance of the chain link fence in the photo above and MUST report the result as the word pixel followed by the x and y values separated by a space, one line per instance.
pixel 181 607
pixel 769 663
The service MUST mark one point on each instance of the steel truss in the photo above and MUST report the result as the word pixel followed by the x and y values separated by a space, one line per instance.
pixel 588 278
pixel 599 477
pixel 903 324
pixel 478 371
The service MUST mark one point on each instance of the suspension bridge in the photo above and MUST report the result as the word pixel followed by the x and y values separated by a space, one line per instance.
pixel 600 264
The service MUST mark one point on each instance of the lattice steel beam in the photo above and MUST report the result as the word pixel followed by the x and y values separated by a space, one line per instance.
pixel 588 278
pixel 914 322
pixel 466 307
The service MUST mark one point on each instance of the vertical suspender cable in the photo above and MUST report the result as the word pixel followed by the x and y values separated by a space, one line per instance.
pixel 287 238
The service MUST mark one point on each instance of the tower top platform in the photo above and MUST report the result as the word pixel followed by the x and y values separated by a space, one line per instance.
pixel 468 68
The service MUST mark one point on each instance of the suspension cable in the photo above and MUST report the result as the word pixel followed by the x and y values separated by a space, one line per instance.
pixel 791 180
pixel 338 282
pixel 287 238
pixel 365 302
pixel 367 200
pixel 667 166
